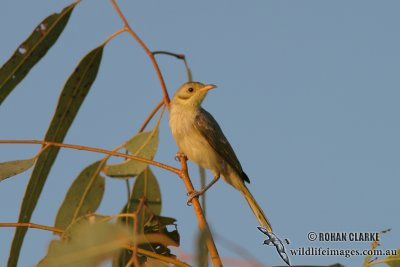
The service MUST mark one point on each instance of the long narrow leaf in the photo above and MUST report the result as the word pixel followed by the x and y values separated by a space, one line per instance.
pixel 71 99
pixel 32 50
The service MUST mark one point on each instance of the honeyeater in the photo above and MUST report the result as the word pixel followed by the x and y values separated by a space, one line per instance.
pixel 200 138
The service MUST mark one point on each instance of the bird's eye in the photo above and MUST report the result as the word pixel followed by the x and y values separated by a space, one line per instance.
pixel 190 90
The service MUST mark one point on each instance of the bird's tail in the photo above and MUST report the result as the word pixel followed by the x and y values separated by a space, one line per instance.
pixel 258 212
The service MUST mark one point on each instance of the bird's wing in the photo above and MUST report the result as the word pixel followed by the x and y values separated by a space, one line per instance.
pixel 209 128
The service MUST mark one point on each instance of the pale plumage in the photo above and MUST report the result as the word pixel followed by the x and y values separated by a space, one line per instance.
pixel 201 139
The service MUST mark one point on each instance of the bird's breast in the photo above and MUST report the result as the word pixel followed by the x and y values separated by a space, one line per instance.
pixel 191 142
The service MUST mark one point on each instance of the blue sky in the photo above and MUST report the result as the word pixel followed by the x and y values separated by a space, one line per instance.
pixel 308 97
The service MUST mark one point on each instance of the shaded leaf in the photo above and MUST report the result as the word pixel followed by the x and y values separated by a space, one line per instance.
pixel 71 99
pixel 32 50
pixel 146 185
pixel 14 167
pixel 160 225
pixel 143 145
pixel 83 197
pixel 87 244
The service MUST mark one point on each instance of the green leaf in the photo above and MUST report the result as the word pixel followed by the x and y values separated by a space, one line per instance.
pixel 393 260
pixel 14 167
pixel 32 50
pixel 86 244
pixel 143 145
pixel 146 185
pixel 83 197
pixel 71 99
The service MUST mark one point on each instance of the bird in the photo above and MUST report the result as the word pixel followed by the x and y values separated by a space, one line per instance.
pixel 200 138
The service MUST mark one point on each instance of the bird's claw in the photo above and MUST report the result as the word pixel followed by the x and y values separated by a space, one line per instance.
pixel 179 155
pixel 192 195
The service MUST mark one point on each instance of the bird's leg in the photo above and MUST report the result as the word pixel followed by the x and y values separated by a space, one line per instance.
pixel 179 155
pixel 194 194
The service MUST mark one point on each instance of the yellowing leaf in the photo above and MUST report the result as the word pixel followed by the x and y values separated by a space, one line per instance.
pixel 83 197
pixel 14 167
pixel 143 145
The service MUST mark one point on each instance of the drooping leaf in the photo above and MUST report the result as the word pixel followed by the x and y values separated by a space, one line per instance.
pixel 146 185
pixel 87 244
pixel 83 197
pixel 32 50
pixel 14 167
pixel 71 99
pixel 143 145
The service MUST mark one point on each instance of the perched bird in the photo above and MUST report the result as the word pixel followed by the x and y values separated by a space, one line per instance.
pixel 200 138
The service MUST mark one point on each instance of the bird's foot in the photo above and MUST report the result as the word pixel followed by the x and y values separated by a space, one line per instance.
pixel 192 195
pixel 179 155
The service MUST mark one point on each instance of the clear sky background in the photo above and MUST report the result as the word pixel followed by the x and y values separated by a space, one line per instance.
pixel 308 95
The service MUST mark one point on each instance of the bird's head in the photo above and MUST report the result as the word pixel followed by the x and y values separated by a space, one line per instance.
pixel 191 94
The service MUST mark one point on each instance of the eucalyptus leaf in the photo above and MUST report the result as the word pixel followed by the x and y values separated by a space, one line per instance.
pixel 146 186
pixel 87 244
pixel 14 167
pixel 143 145
pixel 32 50
pixel 83 197
pixel 71 98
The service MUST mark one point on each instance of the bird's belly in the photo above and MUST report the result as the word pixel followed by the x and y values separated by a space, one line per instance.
pixel 197 149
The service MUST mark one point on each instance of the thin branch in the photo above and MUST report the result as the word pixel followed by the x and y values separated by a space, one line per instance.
pixel 147 50
pixel 113 35
pixel 97 150
pixel 134 258
pixel 33 225
pixel 151 115
pixel 178 56
pixel 162 258
pixel 203 225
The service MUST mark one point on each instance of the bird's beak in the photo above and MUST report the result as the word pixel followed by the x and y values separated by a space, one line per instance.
pixel 208 87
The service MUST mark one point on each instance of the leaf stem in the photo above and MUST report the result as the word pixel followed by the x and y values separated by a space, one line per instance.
pixel 146 49
pixel 151 115
pixel 113 35
pixel 178 56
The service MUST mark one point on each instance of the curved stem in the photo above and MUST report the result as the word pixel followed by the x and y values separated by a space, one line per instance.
pixel 113 35
pixel 178 56
pixel 97 150
pixel 147 50
pixel 203 225
pixel 151 115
